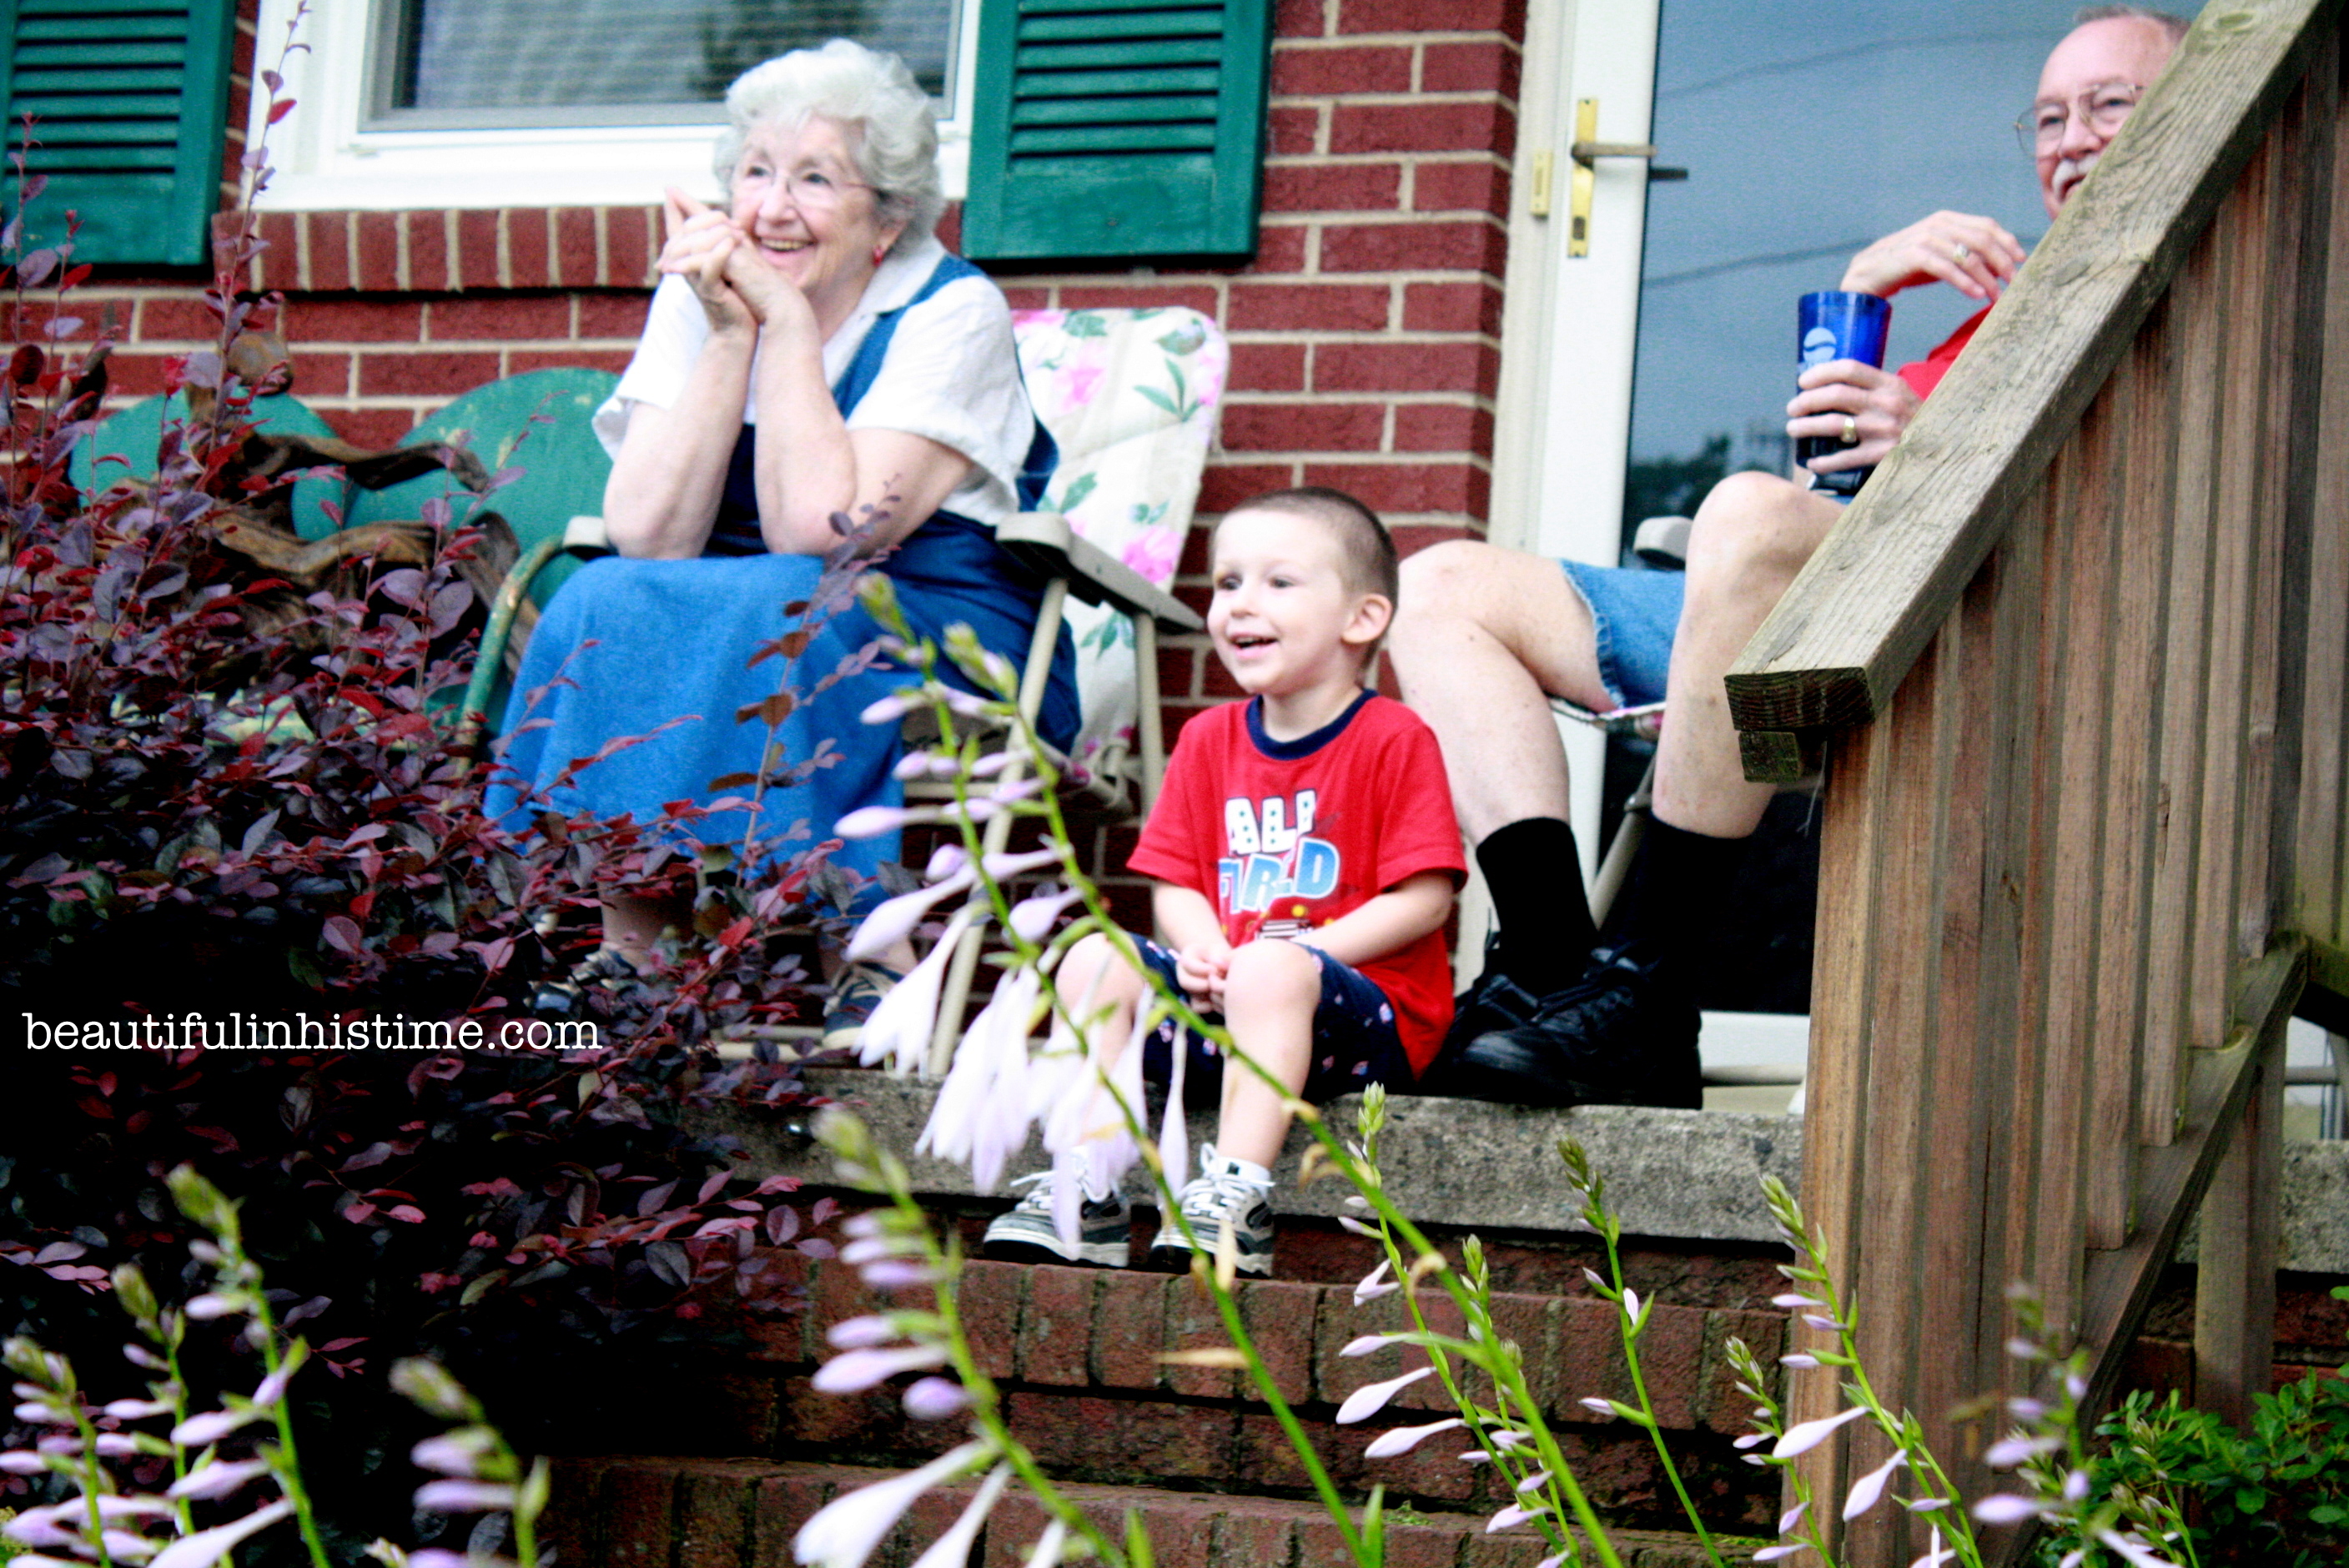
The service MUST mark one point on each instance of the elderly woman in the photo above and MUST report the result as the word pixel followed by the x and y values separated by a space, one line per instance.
pixel 811 350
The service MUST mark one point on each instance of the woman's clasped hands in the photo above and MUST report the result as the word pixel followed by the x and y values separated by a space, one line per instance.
pixel 739 288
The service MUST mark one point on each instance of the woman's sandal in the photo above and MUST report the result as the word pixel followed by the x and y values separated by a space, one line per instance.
pixel 857 990
pixel 566 999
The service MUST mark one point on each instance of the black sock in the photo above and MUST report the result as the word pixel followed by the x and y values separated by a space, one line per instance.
pixel 1677 882
pixel 1536 877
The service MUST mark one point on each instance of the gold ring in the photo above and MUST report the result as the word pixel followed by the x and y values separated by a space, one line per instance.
pixel 1850 430
pixel 1962 250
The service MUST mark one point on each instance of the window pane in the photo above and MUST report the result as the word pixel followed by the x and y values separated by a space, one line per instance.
pixel 509 62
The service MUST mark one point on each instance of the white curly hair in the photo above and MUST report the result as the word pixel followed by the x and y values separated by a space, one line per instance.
pixel 896 140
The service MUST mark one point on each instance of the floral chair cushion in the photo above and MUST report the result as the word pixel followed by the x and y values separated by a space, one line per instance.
pixel 1131 397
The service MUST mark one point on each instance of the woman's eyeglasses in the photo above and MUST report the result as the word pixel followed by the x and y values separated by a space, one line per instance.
pixel 810 189
pixel 2101 109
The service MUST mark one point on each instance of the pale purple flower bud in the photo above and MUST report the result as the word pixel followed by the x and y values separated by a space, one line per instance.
pixel 272 1387
pixel 35 1528
pixel 897 1273
pixel 1750 1440
pixel 2004 1508
pixel 1004 866
pixel 211 1304
pixel 1799 1358
pixel 945 861
pixel 217 1478
pixel 952 1550
pixel 1596 1284
pixel 2026 1410
pixel 2009 1453
pixel 1802 1439
pixel 40 1412
pixel 872 821
pixel 434 1557
pixel 137 1409
pixel 1772 1553
pixel 1936 1553
pixel 1792 1299
pixel 1869 1490
pixel 889 709
pixel 1372 1397
pixel 867 1224
pixel 465 1497
pixel 1403 1440
pixel 2076 1486
pixel 1033 918
pixel 861 1333
pixel 1016 790
pixel 1596 1405
pixel 1375 1283
pixel 2021 1349
pixel 449 1453
pixel 59 1443
pixel 1347 1223
pixel 1824 1324
pixel 1535 1482
pixel 1046 1553
pixel 1509 1439
pixel 936 1399
pixel 140 1355
pixel 844 1532
pixel 1631 1303
pixel 1925 1505
pixel 1556 1559
pixel 2075 1385
pixel 988 766
pixel 854 1371
pixel 125 1547
pixel 114 1444
pixel 2131 1549
pixel 1792 1517
pixel 17 1462
pixel 1368 1344
pixel 865 1249
pixel 206 1547
pixel 209 1427
pixel 1511 1515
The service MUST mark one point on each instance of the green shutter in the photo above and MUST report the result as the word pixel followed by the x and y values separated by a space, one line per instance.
pixel 129 99
pixel 1117 128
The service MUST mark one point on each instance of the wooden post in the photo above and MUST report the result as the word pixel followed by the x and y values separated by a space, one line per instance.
pixel 2234 1294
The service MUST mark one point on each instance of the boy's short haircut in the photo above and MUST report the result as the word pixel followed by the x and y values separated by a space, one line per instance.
pixel 1365 546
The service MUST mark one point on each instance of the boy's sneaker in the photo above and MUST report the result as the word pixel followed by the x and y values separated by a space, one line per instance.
pixel 1228 1194
pixel 1026 1234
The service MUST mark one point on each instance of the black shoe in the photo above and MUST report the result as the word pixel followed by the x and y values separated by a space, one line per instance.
pixel 1492 1001
pixel 1616 1036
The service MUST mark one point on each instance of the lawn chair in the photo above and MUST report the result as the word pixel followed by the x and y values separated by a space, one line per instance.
pixel 1130 396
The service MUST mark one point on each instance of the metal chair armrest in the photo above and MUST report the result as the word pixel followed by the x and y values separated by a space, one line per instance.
pixel 1045 542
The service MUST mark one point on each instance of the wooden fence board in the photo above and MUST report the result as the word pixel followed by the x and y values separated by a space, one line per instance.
pixel 2325 738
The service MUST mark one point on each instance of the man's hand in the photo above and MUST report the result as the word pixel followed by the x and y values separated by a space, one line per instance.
pixel 1878 404
pixel 1973 256
pixel 1201 967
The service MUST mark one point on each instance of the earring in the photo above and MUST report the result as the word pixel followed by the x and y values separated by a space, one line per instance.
pixel 879 252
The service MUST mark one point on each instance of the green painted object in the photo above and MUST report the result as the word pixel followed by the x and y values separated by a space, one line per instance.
pixel 130 98
pixel 124 444
pixel 560 465
pixel 1109 128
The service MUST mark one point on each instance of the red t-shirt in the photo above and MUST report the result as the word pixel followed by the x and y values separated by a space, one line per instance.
pixel 1926 373
pixel 1284 836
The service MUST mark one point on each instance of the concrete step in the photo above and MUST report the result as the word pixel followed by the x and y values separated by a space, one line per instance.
pixel 664 1512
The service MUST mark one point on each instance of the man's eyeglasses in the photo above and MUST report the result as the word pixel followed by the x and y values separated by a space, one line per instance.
pixel 2101 109
pixel 810 189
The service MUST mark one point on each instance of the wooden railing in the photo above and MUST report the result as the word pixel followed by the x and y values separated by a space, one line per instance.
pixel 2076 663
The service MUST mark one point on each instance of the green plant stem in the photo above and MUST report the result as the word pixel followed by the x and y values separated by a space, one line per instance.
pixel 1629 1332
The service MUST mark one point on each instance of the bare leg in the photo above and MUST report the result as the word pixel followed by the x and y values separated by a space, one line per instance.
pixel 1095 976
pixel 1753 534
pixel 632 923
pixel 1270 995
pixel 1481 636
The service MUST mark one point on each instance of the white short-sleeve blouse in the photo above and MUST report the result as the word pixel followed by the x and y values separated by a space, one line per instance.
pixel 952 372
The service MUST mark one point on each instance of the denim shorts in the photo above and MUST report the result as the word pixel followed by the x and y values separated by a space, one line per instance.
pixel 1355 1043
pixel 1635 614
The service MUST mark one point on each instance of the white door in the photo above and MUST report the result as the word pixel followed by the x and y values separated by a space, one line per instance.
pixel 1636 373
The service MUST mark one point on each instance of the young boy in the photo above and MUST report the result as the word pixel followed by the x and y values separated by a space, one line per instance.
pixel 1305 856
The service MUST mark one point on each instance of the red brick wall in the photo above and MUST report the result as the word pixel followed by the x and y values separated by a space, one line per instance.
pixel 1365 336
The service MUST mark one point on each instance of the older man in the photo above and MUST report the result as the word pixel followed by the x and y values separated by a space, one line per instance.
pixel 1562 1015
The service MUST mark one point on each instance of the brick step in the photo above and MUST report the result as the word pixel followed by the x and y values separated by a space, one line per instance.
pixel 1075 1353
pixel 659 1512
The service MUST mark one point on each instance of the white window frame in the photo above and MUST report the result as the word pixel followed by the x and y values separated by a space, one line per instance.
pixel 322 160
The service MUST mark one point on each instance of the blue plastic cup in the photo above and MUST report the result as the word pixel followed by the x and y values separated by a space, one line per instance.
pixel 1838 324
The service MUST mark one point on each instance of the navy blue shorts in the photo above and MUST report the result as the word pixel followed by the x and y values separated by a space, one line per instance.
pixel 1355 1042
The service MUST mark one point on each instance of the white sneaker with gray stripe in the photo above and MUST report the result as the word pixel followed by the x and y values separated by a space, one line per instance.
pixel 1026 1232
